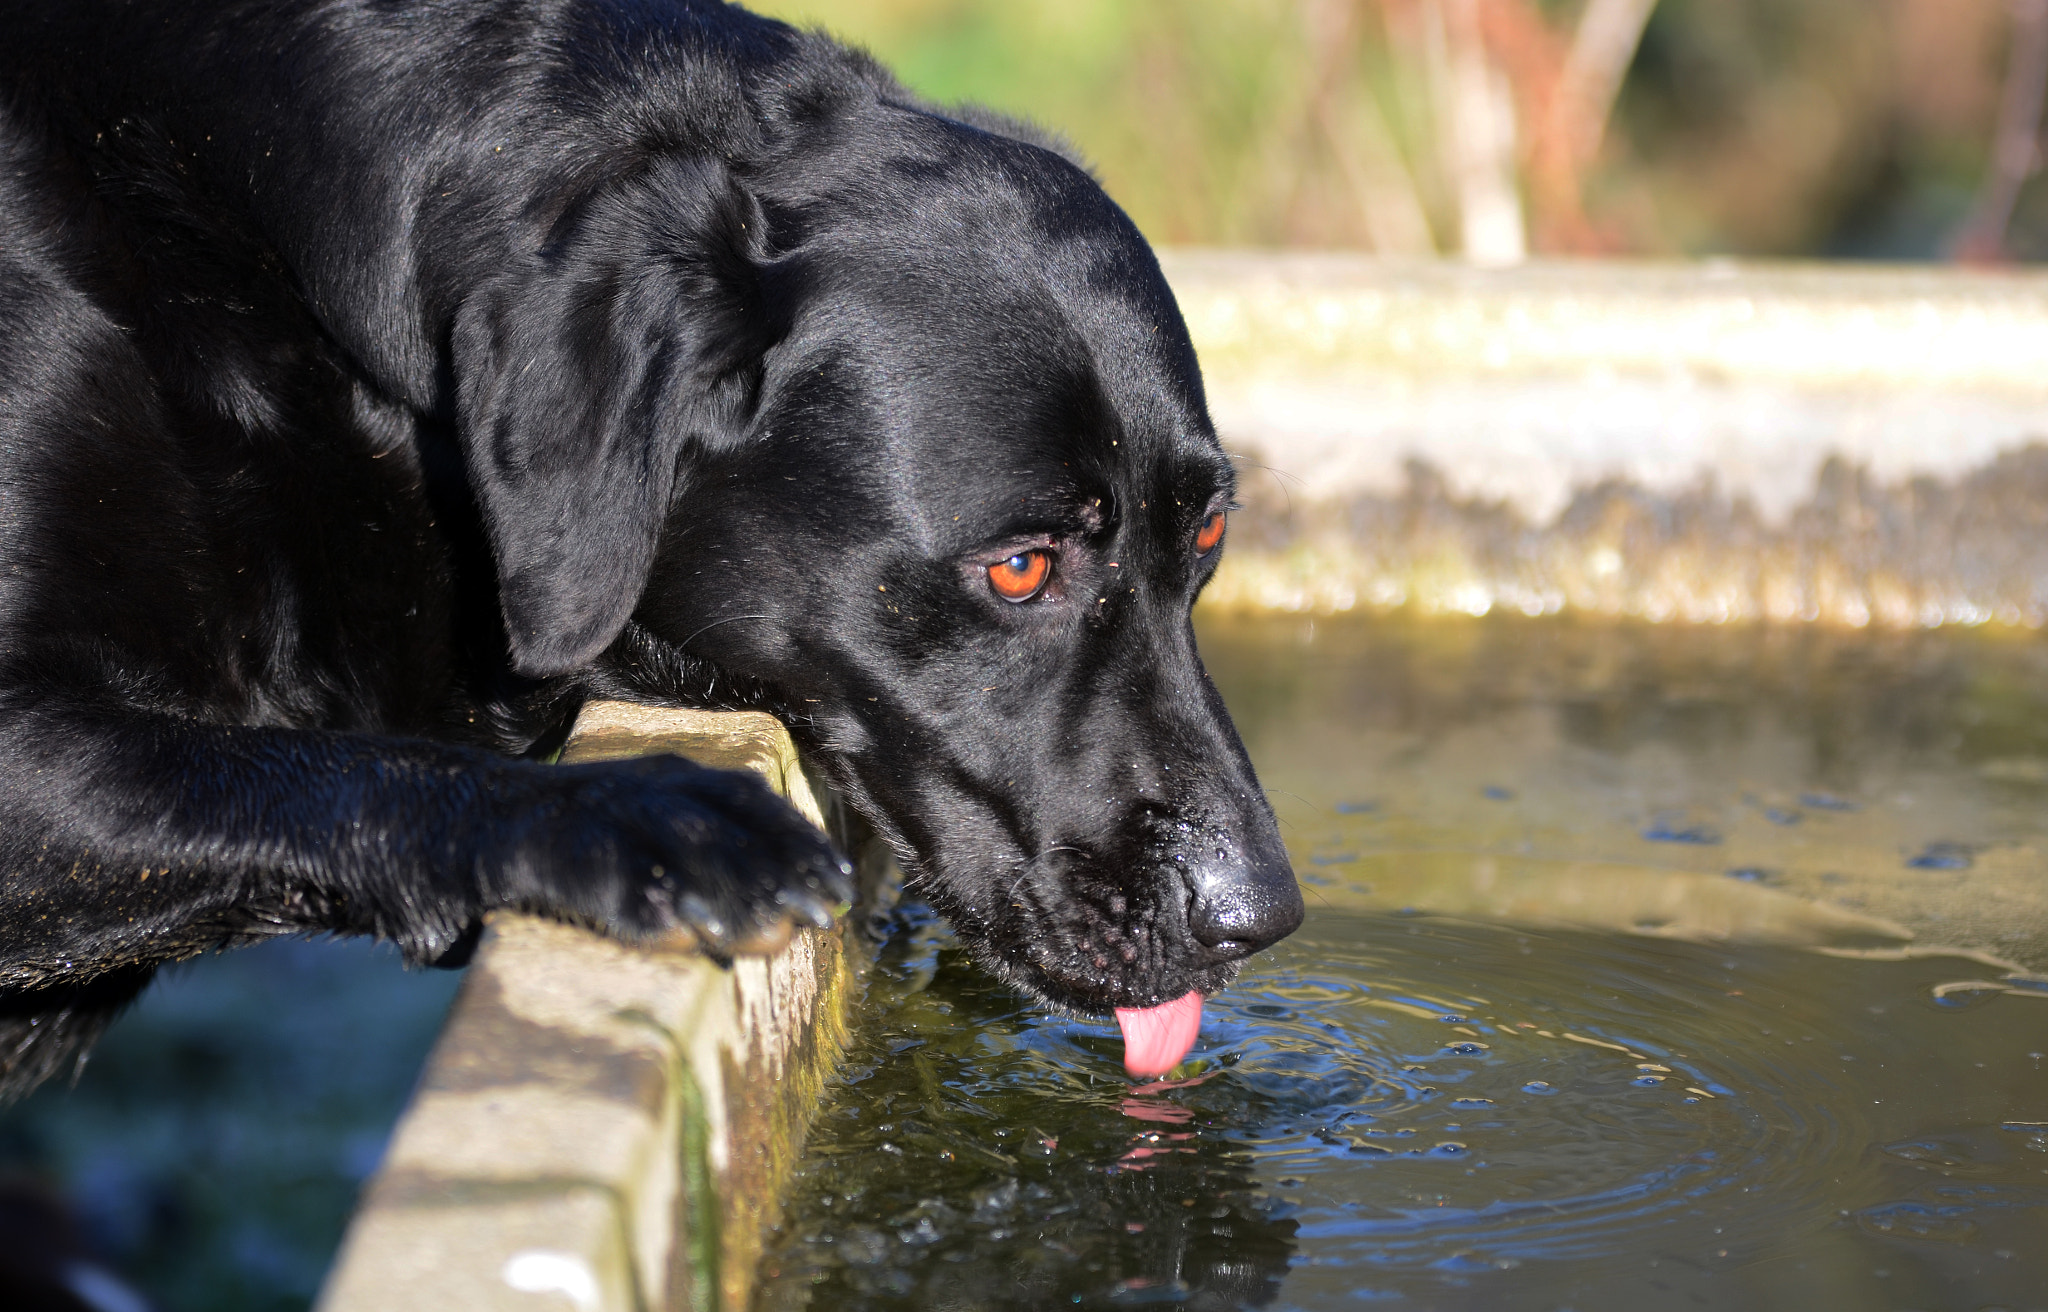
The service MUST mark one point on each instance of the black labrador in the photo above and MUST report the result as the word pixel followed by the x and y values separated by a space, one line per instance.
pixel 381 380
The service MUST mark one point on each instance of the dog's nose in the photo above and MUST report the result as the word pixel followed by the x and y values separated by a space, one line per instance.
pixel 1239 907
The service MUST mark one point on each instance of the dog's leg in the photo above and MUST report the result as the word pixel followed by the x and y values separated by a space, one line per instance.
pixel 133 837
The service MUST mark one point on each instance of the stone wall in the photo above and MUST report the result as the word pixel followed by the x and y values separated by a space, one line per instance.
pixel 603 1128
pixel 1861 445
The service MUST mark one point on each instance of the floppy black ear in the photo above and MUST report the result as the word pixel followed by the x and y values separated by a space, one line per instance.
pixel 583 372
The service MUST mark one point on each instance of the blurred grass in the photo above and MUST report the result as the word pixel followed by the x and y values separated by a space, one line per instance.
pixel 1749 127
pixel 1178 107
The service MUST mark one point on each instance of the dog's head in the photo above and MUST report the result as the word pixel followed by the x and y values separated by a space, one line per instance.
pixel 903 430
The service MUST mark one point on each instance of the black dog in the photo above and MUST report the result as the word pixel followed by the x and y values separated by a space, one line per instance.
pixel 378 381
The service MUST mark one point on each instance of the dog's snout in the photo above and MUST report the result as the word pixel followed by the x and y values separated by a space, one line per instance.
pixel 1238 907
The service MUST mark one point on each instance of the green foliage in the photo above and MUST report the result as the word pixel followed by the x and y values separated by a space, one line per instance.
pixel 1762 127
pixel 1176 108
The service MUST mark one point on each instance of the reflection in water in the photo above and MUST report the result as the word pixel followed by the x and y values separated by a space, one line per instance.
pixel 1555 1035
pixel 213 1148
pixel 1634 1120
pixel 982 1155
pixel 1445 1115
pixel 1815 786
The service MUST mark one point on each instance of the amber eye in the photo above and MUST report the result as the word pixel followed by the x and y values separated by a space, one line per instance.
pixel 1211 534
pixel 1022 576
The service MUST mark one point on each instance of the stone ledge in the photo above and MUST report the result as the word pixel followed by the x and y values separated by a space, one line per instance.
pixel 1522 386
pixel 606 1128
pixel 1705 442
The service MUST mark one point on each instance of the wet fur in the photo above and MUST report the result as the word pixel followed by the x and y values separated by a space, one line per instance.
pixel 379 382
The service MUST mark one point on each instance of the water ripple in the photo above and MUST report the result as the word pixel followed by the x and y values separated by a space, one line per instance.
pixel 1409 1109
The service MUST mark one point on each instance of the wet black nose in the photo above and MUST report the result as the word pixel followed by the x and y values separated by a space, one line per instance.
pixel 1240 906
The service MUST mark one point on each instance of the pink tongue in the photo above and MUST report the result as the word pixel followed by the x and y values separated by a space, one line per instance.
pixel 1156 1038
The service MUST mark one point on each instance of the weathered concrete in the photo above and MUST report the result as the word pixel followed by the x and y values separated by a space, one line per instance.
pixel 605 1128
pixel 1523 385
pixel 1709 442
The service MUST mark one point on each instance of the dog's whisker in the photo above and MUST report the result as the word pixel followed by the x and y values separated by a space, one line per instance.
pixel 715 623
pixel 1023 873
pixel 1280 476
pixel 1238 457
pixel 1033 860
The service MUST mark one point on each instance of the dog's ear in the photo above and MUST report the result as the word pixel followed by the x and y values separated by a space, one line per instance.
pixel 584 373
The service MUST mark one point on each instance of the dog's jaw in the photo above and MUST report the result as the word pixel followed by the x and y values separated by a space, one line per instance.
pixel 1080 932
pixel 1077 961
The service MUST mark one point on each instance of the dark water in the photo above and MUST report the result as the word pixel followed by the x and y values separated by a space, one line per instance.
pixel 1578 1021
pixel 212 1151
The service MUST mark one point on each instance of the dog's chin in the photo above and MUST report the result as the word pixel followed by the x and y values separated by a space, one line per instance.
pixel 1095 996
pixel 1082 977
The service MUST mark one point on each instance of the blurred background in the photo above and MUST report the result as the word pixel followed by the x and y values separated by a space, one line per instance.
pixel 1863 129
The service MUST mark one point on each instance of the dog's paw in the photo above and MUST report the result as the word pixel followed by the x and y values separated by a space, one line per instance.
pixel 645 848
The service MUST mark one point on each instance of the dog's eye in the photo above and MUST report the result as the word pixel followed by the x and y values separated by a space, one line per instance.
pixel 1022 576
pixel 1211 534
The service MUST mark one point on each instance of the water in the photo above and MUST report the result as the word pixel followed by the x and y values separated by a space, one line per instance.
pixel 1645 968
pixel 1795 785
pixel 213 1148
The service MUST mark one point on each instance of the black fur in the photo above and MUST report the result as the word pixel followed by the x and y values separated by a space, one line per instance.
pixel 379 380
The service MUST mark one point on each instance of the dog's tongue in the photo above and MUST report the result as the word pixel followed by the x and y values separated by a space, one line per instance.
pixel 1156 1038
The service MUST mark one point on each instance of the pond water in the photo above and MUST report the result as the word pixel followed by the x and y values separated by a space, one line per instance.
pixel 1645 967
pixel 213 1147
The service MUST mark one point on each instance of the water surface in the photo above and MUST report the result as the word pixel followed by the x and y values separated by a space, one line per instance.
pixel 213 1147
pixel 1691 968
pixel 1447 1115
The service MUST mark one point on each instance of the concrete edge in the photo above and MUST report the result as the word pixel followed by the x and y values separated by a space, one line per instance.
pixel 1705 442
pixel 602 1128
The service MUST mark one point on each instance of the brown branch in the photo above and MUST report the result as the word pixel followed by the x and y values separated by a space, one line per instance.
pixel 1568 92
pixel 1387 197
pixel 2016 148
